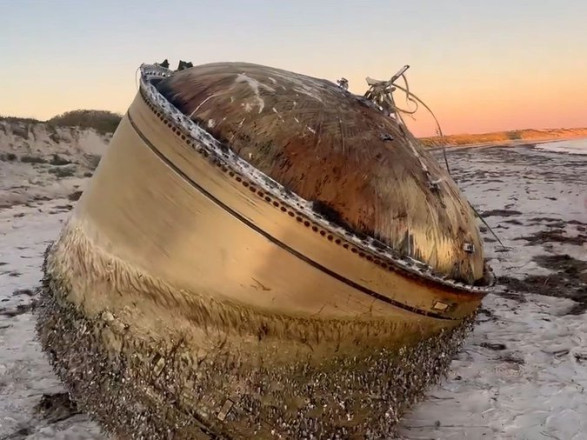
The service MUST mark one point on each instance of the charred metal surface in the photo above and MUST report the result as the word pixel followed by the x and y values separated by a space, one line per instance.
pixel 453 271
pixel 318 140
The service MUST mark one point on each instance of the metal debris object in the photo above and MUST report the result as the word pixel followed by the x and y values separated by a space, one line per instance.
pixel 260 254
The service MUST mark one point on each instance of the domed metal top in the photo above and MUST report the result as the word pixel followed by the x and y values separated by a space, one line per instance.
pixel 361 167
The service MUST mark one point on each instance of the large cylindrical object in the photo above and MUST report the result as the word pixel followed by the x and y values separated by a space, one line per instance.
pixel 259 254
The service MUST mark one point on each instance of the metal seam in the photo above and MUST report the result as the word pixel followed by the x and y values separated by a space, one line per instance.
pixel 277 242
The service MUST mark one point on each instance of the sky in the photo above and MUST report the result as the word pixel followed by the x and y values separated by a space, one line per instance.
pixel 481 66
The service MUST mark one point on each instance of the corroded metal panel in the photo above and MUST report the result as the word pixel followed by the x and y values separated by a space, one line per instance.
pixel 192 294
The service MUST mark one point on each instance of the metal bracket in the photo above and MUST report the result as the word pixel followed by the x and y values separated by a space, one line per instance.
pixel 226 407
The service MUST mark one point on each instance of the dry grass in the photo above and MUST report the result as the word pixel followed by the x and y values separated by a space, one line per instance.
pixel 16 119
pixel 100 120
pixel 32 159
pixel 63 171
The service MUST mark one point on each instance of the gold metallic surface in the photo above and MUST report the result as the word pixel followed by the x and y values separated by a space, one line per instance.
pixel 143 212
pixel 182 299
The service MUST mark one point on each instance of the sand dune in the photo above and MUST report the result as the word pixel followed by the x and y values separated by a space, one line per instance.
pixel 39 161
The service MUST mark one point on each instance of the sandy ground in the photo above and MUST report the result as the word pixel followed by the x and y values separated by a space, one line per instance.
pixel 523 372
pixel 521 375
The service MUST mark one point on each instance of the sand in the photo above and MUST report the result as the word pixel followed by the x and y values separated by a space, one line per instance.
pixel 523 372
pixel 521 375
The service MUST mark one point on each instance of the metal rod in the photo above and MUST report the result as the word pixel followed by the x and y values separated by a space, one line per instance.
pixel 399 73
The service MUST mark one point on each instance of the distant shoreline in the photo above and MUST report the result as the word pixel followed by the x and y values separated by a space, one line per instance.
pixel 106 122
pixel 521 143
pixel 505 138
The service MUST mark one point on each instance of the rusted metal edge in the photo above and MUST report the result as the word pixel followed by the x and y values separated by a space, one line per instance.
pixel 204 141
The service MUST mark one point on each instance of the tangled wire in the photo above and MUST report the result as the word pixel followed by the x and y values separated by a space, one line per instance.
pixel 381 94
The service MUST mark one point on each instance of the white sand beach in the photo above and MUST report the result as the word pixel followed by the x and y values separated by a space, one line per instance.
pixel 521 375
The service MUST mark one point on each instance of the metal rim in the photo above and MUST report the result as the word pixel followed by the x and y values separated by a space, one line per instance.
pixel 204 142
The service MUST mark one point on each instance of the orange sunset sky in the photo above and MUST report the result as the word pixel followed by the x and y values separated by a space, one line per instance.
pixel 482 66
